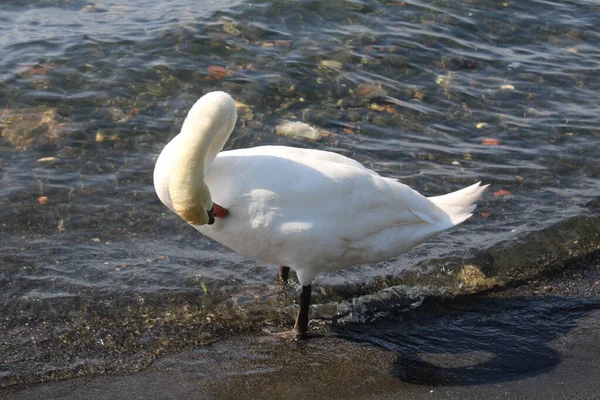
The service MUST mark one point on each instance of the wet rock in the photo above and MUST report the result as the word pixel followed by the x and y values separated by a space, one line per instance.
pixel 162 68
pixel 217 72
pixel 554 247
pixel 368 91
pixel 95 8
pixel 35 70
pixel 255 125
pixel 244 111
pixel 382 120
pixel 101 137
pixel 491 142
pixel 514 65
pixel 47 159
pixel 254 32
pixel 445 80
pixel 230 26
pixel 376 107
pixel 331 64
pixel 34 127
pixel 154 89
pixel 459 63
pixel 415 93
pixel 472 279
pixel 297 129
pixel 113 113
pixel 355 115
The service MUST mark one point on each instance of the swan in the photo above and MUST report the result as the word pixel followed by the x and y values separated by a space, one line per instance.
pixel 309 210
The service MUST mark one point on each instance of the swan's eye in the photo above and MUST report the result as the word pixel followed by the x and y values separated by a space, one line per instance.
pixel 211 215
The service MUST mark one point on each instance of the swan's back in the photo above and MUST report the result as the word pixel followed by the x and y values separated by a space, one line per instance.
pixel 297 154
pixel 318 211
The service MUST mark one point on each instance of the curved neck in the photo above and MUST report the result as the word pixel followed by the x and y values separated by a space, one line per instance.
pixel 203 135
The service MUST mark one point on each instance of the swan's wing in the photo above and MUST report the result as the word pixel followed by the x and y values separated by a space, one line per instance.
pixel 314 212
pixel 351 199
pixel 382 204
pixel 341 194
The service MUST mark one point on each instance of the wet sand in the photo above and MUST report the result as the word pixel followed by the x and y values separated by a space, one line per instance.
pixel 325 368
pixel 564 361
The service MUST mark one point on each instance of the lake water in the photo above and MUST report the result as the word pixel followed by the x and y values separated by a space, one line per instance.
pixel 96 275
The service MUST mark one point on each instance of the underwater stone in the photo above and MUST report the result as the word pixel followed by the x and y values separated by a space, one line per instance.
pixel 298 129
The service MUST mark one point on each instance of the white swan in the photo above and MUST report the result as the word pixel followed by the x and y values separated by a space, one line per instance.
pixel 309 210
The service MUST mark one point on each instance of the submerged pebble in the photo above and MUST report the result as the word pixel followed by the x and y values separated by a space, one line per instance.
pixel 47 159
pixel 34 127
pixel 297 129
pixel 331 64
pixel 244 111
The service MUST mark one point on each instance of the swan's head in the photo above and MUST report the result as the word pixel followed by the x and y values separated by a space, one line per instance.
pixel 198 208
pixel 203 134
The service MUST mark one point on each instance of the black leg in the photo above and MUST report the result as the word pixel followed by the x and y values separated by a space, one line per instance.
pixel 301 326
pixel 284 274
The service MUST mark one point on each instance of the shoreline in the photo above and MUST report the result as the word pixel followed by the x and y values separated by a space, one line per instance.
pixel 363 373
pixel 339 364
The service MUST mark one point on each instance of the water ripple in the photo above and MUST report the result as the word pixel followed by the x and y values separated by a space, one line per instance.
pixel 438 95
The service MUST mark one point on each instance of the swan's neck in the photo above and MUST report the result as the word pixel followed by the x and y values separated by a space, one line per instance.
pixel 203 135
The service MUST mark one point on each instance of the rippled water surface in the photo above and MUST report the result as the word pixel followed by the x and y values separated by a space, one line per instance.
pixel 97 275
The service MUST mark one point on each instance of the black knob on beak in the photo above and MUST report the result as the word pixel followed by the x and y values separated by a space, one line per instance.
pixel 211 216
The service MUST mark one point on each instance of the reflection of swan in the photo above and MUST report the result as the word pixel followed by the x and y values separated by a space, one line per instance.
pixel 311 210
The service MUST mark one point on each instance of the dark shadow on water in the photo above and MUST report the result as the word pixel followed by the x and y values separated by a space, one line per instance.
pixel 475 341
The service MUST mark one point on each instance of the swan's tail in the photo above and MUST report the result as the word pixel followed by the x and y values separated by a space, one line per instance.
pixel 459 205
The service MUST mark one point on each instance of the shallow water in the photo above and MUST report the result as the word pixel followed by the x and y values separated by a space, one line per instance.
pixel 96 275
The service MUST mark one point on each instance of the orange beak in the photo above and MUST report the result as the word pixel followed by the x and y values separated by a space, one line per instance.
pixel 219 212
